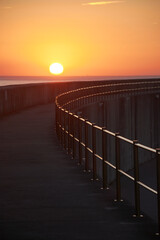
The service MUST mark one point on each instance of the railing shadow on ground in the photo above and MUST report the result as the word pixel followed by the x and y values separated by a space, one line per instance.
pixel 79 138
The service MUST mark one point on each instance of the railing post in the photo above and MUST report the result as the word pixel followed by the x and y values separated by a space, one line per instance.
pixel 60 124
pixel 94 152
pixel 104 165
pixel 80 139
pixel 57 120
pixel 117 155
pixel 64 129
pixel 136 179
pixel 56 117
pixel 158 186
pixel 62 120
pixel 86 146
pixel 68 132
pixel 73 132
pixel 62 133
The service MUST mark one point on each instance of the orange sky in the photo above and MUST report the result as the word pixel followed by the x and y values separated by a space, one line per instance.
pixel 87 37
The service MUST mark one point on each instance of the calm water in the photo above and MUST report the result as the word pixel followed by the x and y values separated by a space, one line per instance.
pixel 16 80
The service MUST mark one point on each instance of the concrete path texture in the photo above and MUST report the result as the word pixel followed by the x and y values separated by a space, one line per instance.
pixel 45 195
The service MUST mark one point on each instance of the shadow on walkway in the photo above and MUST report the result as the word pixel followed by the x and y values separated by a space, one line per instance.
pixel 45 195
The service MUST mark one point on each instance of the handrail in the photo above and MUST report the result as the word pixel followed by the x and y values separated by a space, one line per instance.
pixel 111 87
pixel 66 127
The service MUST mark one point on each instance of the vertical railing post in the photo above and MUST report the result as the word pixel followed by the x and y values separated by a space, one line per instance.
pixel 68 132
pixel 56 119
pixel 64 115
pixel 94 152
pixel 104 157
pixel 80 139
pixel 86 146
pixel 117 155
pixel 60 124
pixel 158 187
pixel 136 179
pixel 135 117
pixel 73 132
pixel 63 131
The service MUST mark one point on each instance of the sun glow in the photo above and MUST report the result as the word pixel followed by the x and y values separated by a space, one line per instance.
pixel 89 38
pixel 56 68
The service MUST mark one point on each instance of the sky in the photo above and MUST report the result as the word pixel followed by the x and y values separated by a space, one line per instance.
pixel 90 38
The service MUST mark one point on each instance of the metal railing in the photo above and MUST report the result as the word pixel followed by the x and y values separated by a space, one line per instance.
pixel 73 133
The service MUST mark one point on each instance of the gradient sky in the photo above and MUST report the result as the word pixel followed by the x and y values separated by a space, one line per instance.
pixel 87 37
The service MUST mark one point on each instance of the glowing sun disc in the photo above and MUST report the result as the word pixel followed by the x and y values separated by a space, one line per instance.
pixel 56 68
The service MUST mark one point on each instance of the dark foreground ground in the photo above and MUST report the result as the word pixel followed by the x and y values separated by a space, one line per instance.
pixel 45 195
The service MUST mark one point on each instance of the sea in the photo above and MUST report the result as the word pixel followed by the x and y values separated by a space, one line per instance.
pixel 18 80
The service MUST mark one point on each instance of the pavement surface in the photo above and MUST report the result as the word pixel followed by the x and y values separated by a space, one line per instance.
pixel 45 195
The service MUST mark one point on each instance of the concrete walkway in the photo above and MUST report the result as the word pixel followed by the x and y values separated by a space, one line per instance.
pixel 45 195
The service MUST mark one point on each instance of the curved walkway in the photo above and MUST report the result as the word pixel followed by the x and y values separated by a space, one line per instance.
pixel 45 195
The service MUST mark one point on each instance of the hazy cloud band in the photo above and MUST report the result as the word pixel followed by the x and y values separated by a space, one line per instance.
pixel 101 3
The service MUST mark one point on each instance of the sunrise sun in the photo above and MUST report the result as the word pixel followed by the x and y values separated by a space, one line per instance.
pixel 56 68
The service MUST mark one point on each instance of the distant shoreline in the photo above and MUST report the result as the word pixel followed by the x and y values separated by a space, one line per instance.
pixel 62 77
pixel 18 80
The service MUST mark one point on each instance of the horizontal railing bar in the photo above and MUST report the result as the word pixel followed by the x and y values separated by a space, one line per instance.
pixel 76 139
pixel 89 123
pixel 111 92
pixel 97 127
pixel 110 164
pixel 121 171
pixel 125 139
pixel 83 144
pixel 120 137
pixel 104 93
pixel 90 150
pixel 98 156
pixel 114 167
pixel 109 132
pixel 148 188
pixel 71 135
pixel 109 85
pixel 76 116
pixel 82 119
pixel 126 174
pixel 145 147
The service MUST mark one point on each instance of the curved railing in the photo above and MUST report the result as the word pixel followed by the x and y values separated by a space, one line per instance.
pixel 78 135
